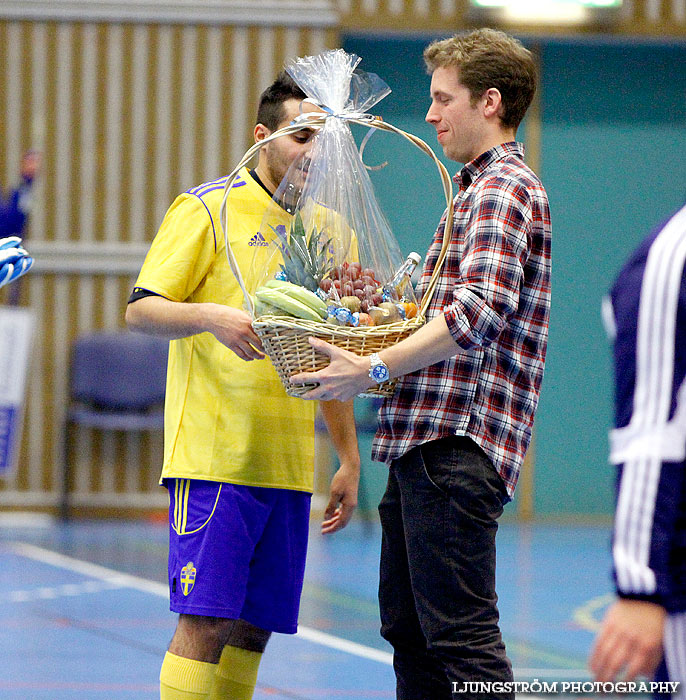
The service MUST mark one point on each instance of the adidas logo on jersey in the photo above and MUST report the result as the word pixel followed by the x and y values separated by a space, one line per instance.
pixel 258 240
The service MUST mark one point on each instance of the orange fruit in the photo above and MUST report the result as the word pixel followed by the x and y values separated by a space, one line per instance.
pixel 410 309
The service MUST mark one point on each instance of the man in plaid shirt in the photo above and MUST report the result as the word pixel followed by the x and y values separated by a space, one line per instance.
pixel 458 426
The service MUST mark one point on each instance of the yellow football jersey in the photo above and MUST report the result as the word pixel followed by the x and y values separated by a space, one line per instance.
pixel 225 419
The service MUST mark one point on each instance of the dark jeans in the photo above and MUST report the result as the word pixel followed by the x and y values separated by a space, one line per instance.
pixel 437 579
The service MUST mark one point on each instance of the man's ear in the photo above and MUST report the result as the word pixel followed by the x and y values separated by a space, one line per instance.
pixel 261 132
pixel 492 102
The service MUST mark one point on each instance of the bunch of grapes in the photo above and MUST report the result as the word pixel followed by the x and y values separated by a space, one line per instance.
pixel 352 280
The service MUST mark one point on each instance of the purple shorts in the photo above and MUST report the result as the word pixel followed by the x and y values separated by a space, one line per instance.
pixel 237 552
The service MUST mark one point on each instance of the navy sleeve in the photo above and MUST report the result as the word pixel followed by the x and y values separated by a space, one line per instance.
pixel 648 443
pixel 14 211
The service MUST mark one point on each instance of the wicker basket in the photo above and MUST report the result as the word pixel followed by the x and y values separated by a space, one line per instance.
pixel 285 338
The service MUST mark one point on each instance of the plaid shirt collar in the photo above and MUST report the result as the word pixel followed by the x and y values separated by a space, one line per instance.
pixel 471 171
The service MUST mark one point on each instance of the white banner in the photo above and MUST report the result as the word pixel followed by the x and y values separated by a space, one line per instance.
pixel 16 331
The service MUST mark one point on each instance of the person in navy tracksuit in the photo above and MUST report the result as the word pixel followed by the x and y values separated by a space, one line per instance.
pixel 644 631
pixel 16 204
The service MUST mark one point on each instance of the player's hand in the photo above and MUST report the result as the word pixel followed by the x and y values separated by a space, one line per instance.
pixel 233 327
pixel 630 641
pixel 342 499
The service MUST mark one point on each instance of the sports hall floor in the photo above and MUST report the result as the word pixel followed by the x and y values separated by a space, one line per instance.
pixel 84 616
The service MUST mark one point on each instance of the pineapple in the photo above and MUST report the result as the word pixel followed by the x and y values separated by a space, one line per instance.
pixel 305 260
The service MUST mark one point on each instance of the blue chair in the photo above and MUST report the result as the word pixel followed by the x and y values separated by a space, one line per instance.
pixel 117 382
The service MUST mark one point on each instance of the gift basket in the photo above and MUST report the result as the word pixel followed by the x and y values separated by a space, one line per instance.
pixel 328 265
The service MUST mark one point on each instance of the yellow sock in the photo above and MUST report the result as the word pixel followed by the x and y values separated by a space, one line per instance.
pixel 185 679
pixel 236 674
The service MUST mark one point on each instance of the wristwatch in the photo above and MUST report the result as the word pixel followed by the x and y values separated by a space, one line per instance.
pixel 378 371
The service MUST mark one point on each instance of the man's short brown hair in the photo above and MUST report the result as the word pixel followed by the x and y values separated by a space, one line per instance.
pixel 488 58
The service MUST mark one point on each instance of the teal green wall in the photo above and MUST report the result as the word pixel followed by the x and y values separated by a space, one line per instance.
pixel 614 141
pixel 613 162
pixel 409 188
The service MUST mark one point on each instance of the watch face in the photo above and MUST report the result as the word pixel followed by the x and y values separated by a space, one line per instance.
pixel 380 373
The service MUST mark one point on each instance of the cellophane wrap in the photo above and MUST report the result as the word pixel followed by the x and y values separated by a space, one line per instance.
pixel 325 229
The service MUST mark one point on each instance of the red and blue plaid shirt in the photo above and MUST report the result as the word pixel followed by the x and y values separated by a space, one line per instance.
pixel 494 291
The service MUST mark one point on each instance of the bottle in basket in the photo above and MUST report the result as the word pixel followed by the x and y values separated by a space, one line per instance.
pixel 395 287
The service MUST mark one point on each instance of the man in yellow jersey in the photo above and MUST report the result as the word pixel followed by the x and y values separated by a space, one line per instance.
pixel 238 452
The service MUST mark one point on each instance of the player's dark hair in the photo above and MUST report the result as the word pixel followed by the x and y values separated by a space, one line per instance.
pixel 270 111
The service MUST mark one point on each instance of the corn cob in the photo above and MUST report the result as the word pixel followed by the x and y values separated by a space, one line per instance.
pixel 291 306
pixel 305 296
